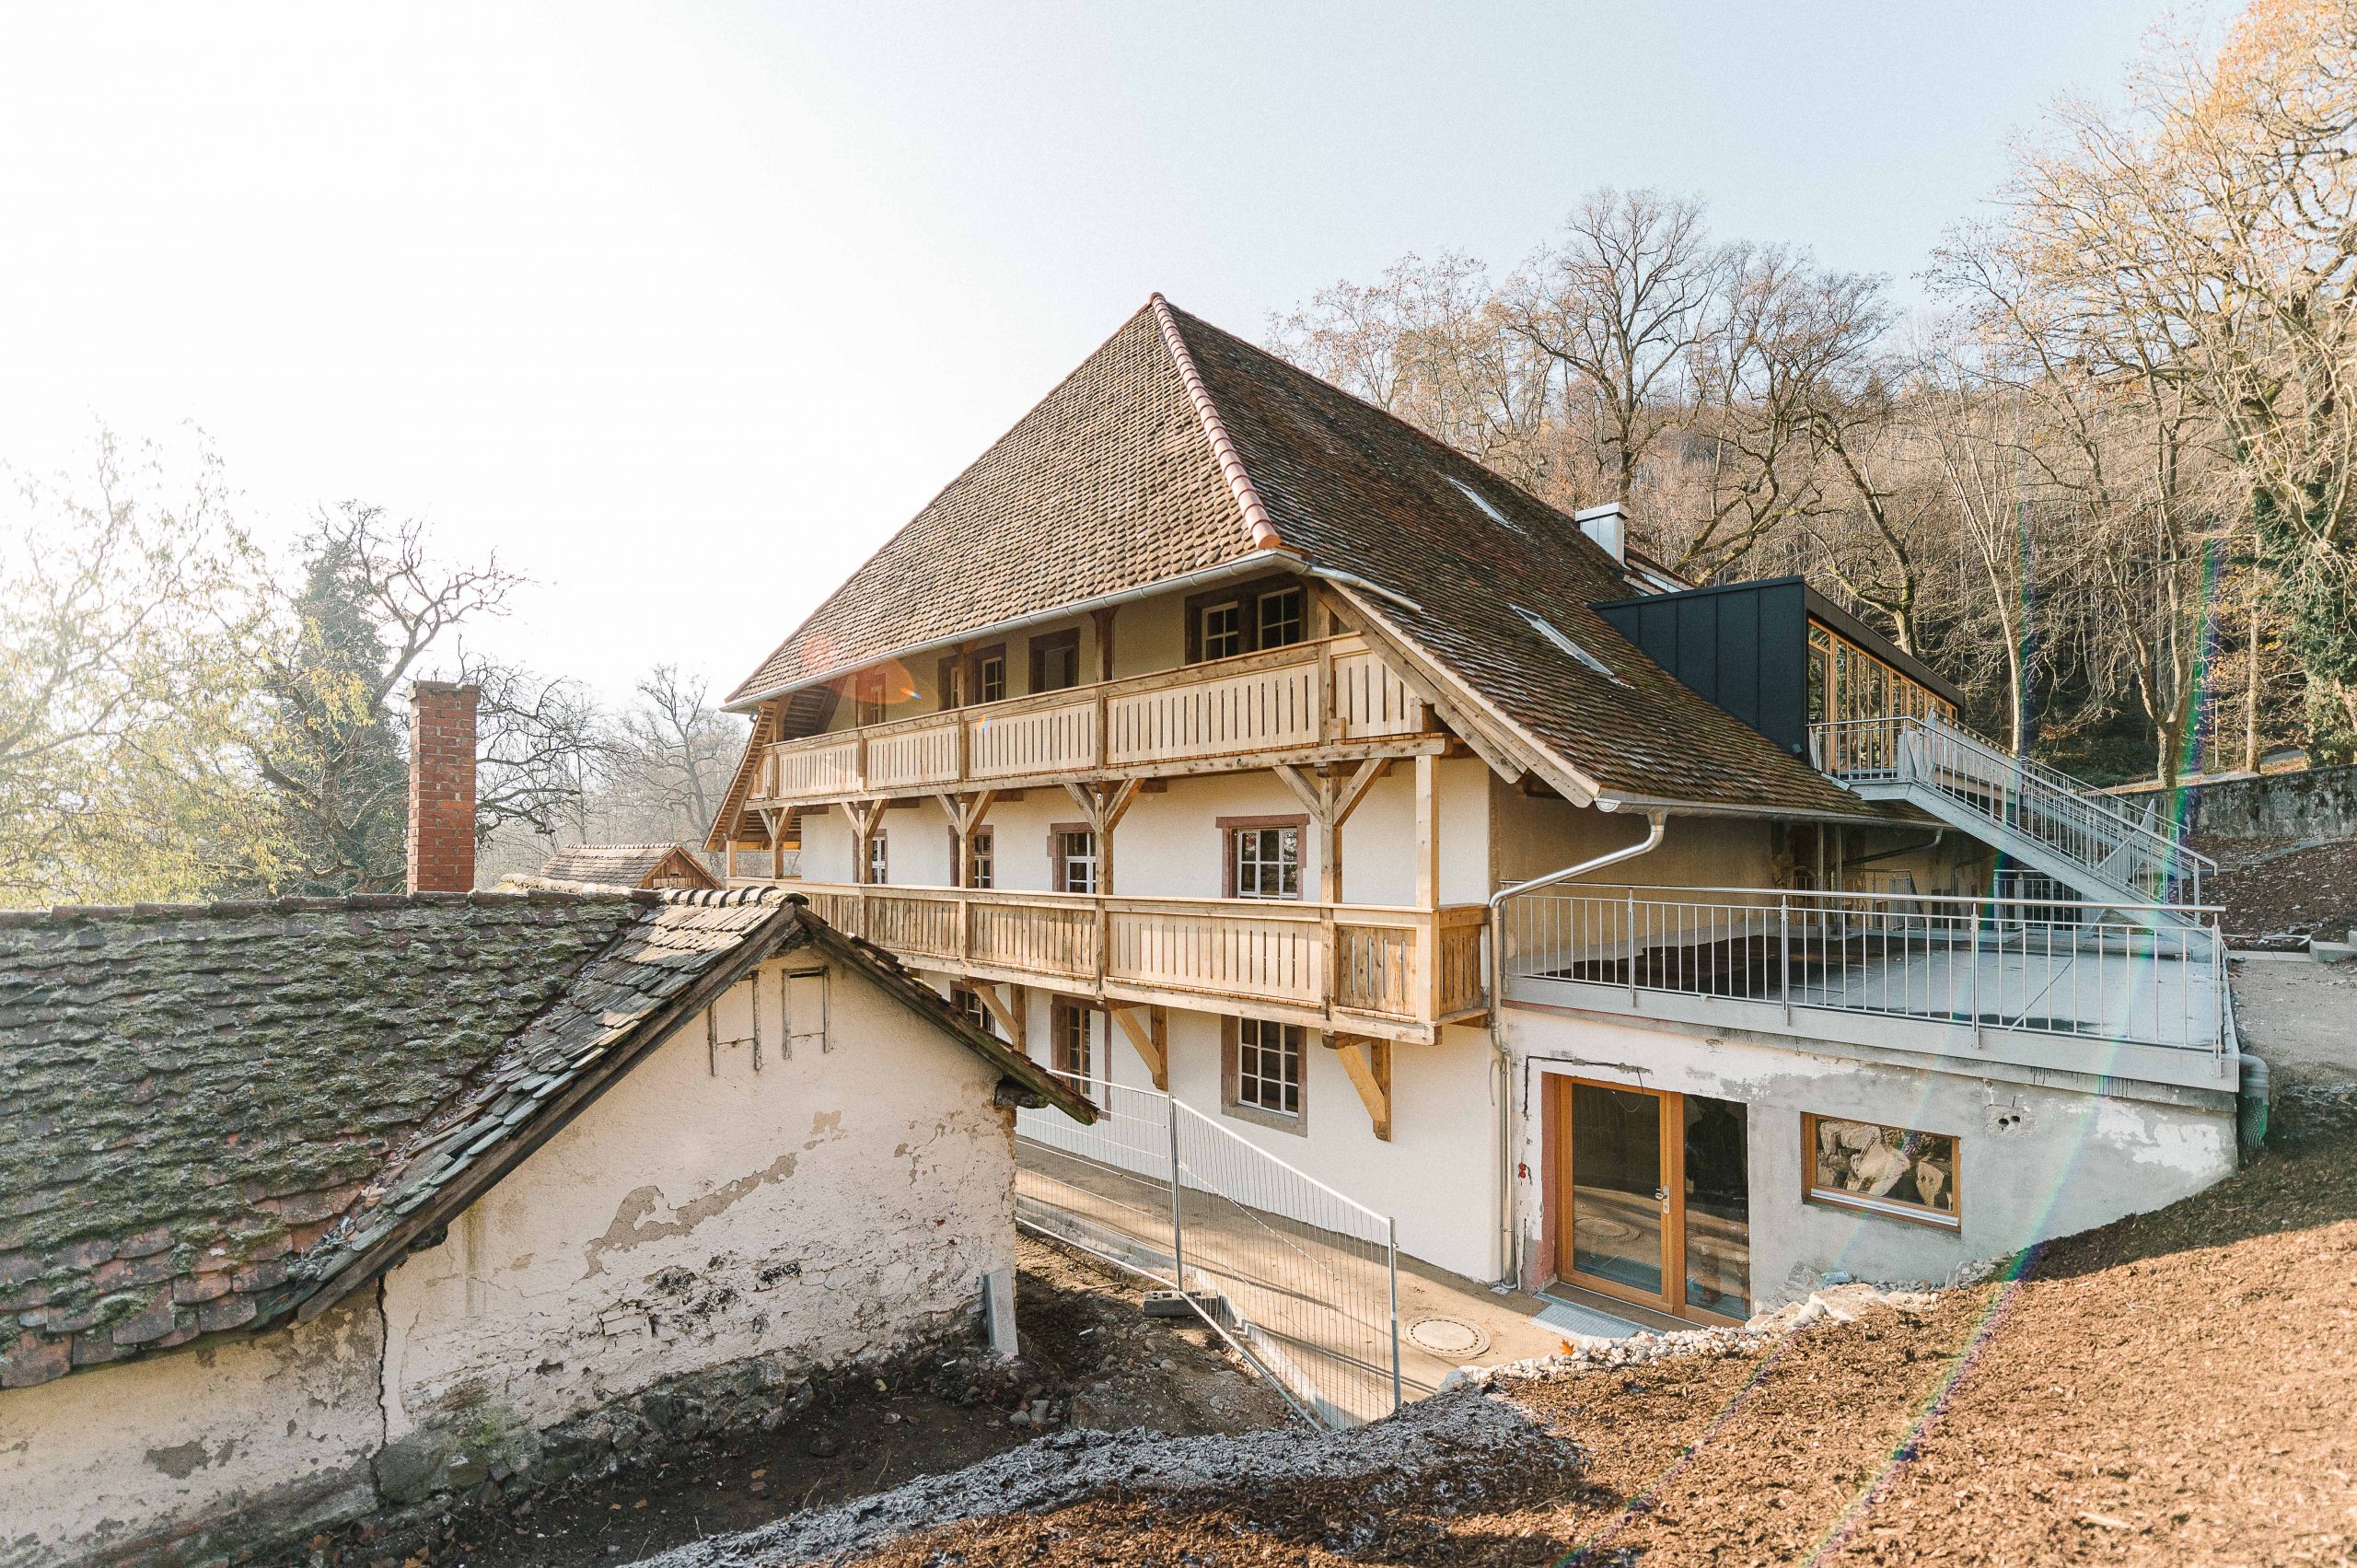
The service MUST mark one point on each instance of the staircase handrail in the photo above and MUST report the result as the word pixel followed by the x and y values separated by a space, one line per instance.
pixel 1901 752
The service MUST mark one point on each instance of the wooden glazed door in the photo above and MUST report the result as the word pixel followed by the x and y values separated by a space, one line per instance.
pixel 1652 1204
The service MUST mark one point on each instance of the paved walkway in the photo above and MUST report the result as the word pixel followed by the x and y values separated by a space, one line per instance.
pixel 1315 1305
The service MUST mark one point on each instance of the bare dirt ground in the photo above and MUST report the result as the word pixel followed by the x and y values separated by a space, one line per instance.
pixel 1090 1359
pixel 2180 1386
pixel 2299 1015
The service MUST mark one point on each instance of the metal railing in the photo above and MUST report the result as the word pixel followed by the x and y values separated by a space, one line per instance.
pixel 1302 1280
pixel 2039 802
pixel 2037 966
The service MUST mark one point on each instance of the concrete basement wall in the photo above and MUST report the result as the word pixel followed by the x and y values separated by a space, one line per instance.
pixel 2035 1162
pixel 241 1443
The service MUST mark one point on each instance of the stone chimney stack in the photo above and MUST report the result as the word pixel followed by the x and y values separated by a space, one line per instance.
pixel 442 786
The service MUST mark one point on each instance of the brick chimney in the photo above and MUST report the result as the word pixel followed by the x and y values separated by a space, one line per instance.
pixel 442 786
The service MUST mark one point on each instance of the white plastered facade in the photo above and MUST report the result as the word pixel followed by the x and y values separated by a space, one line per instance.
pixel 840 1203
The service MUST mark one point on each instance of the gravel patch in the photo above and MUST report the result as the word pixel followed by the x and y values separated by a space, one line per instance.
pixel 1453 1451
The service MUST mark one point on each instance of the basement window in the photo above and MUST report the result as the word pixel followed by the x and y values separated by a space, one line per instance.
pixel 1884 1170
pixel 1548 629
pixel 1483 502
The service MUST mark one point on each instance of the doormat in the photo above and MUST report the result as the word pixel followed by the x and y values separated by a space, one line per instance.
pixel 1570 1317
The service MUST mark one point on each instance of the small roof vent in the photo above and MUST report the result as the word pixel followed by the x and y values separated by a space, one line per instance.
pixel 1608 526
pixel 1483 502
pixel 1548 629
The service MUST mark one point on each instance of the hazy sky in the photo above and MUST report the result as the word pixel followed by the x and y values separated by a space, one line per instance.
pixel 684 308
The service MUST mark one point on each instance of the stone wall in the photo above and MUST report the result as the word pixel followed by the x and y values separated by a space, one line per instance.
pixel 2315 803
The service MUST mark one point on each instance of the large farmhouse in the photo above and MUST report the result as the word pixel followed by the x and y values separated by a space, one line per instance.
pixel 1218 732
pixel 322 1205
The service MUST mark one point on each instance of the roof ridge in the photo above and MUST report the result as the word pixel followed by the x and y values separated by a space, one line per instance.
pixel 292 903
pixel 737 693
pixel 1256 521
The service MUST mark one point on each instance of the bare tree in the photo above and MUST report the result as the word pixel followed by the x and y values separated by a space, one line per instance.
pixel 1619 306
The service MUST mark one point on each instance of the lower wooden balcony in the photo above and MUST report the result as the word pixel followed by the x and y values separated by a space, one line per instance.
pixel 1384 972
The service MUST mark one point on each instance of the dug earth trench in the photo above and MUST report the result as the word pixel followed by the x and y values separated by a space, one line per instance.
pixel 1089 1358
pixel 2175 1388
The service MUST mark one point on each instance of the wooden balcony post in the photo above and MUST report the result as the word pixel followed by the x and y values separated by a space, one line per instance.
pixel 1427 980
pixel 1330 718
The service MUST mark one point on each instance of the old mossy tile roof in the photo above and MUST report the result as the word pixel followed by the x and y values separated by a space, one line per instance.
pixel 627 866
pixel 213 1117
pixel 1177 447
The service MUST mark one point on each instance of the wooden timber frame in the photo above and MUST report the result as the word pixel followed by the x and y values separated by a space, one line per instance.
pixel 1340 704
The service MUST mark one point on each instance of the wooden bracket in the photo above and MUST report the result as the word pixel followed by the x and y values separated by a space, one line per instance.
pixel 1368 1063
pixel 1010 1017
pixel 1153 1040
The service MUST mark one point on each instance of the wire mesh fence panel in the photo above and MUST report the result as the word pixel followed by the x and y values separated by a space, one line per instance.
pixel 1298 1278
pixel 1303 1275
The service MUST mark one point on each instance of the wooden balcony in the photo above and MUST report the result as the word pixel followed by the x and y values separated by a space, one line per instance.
pixel 1348 969
pixel 1329 700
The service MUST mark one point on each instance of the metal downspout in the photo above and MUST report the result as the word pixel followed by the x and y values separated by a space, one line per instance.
pixel 1509 1232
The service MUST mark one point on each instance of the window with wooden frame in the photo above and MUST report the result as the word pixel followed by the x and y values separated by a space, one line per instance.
pixel 986 675
pixel 1882 1170
pixel 1055 660
pixel 979 858
pixel 879 859
pixel 968 1002
pixel 947 680
pixel 1072 857
pixel 1262 1066
pixel 1070 1045
pixel 1219 629
pixel 1270 612
pixel 1280 619
pixel 1263 857
pixel 868 697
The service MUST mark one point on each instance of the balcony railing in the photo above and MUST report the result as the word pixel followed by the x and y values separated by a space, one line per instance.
pixel 1336 966
pixel 1979 968
pixel 1333 690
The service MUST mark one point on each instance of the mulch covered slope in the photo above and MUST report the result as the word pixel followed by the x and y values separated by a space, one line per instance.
pixel 2179 1387
pixel 2272 886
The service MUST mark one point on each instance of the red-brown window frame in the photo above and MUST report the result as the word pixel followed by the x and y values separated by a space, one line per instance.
pixel 1058 860
pixel 1230 826
pixel 1231 1075
pixel 1247 597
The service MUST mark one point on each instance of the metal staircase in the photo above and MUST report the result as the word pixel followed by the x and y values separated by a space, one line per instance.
pixel 2043 818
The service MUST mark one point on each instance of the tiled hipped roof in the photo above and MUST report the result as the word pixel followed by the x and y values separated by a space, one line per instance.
pixel 213 1117
pixel 1177 447
pixel 1350 486
pixel 1108 483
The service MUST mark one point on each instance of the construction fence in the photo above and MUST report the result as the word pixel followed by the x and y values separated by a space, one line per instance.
pixel 1299 1279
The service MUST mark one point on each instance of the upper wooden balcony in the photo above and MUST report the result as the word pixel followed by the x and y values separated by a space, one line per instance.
pixel 1328 699
pixel 1347 969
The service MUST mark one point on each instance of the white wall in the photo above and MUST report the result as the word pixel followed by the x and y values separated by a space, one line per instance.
pixel 1169 845
pixel 833 1203
pixel 1436 1177
pixel 2034 1162
pixel 280 1427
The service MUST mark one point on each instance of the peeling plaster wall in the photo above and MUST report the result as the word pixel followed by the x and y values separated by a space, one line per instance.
pixel 833 1204
pixel 2035 1162
pixel 240 1442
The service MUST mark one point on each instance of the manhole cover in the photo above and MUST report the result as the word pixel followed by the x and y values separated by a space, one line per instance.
pixel 1448 1336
